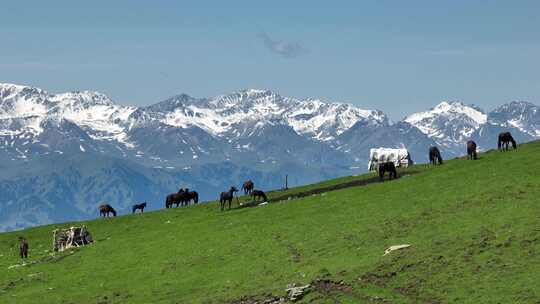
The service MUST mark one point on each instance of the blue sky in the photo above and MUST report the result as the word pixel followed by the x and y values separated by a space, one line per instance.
pixel 396 56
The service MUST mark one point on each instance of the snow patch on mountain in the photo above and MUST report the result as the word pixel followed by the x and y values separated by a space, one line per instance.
pixel 233 114
pixel 449 123
pixel 92 111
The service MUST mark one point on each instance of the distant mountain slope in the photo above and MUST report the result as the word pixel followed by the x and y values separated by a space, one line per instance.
pixel 244 134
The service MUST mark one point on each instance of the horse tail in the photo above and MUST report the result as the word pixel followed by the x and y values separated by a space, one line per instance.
pixel 195 197
pixel 264 196
pixel 133 209
pixel 167 201
pixel 113 211
pixel 499 142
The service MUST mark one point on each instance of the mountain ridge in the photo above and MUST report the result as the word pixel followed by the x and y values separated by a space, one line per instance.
pixel 235 136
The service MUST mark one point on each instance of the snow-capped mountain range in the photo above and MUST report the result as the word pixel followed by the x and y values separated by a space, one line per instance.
pixel 63 154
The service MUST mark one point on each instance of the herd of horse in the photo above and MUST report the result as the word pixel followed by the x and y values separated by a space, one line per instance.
pixel 184 197
pixel 505 139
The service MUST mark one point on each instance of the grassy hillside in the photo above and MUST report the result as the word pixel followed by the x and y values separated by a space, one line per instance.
pixel 474 227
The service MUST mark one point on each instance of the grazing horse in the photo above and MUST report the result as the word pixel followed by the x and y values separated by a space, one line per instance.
pixel 506 138
pixel 435 156
pixel 387 167
pixel 259 194
pixel 248 187
pixel 23 247
pixel 174 198
pixel 188 196
pixel 227 197
pixel 138 206
pixel 471 150
pixel 105 209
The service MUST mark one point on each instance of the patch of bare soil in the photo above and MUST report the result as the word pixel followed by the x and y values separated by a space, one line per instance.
pixel 329 289
pixel 261 299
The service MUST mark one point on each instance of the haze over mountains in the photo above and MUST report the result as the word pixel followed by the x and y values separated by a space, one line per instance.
pixel 64 154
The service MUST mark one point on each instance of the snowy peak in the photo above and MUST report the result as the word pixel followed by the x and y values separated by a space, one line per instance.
pixel 451 110
pixel 93 111
pixel 449 122
pixel 519 114
pixel 232 114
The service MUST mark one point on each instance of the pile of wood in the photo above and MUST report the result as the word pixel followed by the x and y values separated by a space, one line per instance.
pixel 71 237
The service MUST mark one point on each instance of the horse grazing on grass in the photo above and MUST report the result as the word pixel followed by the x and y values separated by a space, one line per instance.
pixel 389 167
pixel 435 156
pixel 188 196
pixel 174 198
pixel 227 197
pixel 248 186
pixel 23 247
pixel 505 138
pixel 138 206
pixel 258 194
pixel 105 209
pixel 471 150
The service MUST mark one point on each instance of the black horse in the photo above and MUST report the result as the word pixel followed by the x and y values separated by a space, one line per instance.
pixel 389 167
pixel 105 209
pixel 174 198
pixel 258 194
pixel 187 196
pixel 138 206
pixel 505 138
pixel 435 156
pixel 227 197
pixel 248 186
pixel 23 247
pixel 471 150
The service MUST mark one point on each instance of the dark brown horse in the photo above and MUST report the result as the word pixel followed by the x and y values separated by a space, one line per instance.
pixel 105 209
pixel 23 247
pixel 227 197
pixel 505 138
pixel 389 167
pixel 435 156
pixel 188 196
pixel 258 194
pixel 248 186
pixel 138 206
pixel 471 150
pixel 174 198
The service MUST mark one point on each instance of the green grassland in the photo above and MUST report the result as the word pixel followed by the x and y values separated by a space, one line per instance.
pixel 474 227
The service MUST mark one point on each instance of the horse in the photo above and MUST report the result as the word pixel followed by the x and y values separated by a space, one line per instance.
pixel 248 187
pixel 504 139
pixel 435 156
pixel 138 206
pixel 23 247
pixel 471 150
pixel 105 209
pixel 259 194
pixel 389 167
pixel 227 196
pixel 188 196
pixel 174 198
